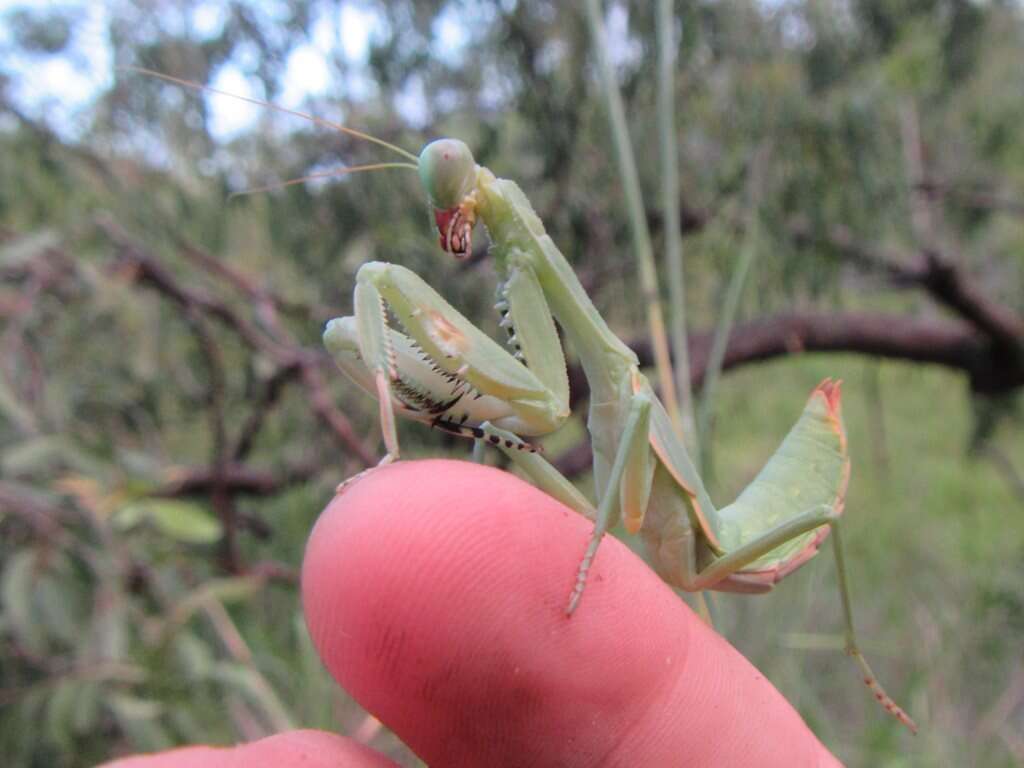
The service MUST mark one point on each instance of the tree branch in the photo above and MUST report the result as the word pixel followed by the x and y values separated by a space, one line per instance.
pixel 895 337
pixel 920 340
pixel 238 479
pixel 275 342
pixel 932 271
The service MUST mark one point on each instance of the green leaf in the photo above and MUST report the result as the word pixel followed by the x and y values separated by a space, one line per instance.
pixel 255 688
pixel 193 655
pixel 182 521
pixel 110 627
pixel 59 605
pixel 46 454
pixel 87 708
pixel 16 590
pixel 59 712
pixel 139 720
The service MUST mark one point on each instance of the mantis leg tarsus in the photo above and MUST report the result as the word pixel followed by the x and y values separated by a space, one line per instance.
pixel 852 649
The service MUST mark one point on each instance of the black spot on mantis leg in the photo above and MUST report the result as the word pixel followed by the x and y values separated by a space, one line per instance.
pixel 458 428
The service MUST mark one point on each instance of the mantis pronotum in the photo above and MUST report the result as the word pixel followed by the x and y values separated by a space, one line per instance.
pixel 442 370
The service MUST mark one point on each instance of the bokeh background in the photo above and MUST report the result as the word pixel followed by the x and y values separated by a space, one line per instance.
pixel 170 428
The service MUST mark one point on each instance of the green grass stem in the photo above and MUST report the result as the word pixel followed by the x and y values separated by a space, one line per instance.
pixel 673 232
pixel 637 217
pixel 733 294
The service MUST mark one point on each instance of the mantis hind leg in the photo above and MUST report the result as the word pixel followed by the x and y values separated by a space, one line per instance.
pixel 733 562
pixel 852 650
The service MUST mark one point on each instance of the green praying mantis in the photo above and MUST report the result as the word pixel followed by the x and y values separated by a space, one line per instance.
pixel 442 370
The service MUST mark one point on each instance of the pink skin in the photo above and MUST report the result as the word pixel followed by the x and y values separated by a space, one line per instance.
pixel 435 592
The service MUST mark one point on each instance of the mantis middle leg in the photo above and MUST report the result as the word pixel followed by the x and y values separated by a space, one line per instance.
pixel 625 494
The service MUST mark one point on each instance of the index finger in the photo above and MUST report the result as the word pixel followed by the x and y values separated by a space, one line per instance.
pixel 436 593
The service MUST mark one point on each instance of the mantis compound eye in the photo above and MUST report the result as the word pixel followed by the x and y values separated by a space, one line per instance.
pixel 447 171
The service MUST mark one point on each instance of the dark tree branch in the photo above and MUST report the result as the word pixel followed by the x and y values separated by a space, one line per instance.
pixel 951 287
pixel 239 479
pixel 919 340
pixel 900 338
pixel 307 364
pixel 935 273
pixel 221 498
pixel 144 269
pixel 272 389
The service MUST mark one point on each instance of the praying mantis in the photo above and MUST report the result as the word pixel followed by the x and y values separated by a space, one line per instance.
pixel 442 370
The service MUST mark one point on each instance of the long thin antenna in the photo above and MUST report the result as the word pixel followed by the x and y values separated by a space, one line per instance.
pixel 322 175
pixel 277 108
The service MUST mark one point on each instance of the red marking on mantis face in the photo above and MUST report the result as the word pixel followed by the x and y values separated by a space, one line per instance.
pixel 454 231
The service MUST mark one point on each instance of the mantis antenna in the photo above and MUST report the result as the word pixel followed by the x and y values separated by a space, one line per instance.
pixel 278 108
pixel 321 175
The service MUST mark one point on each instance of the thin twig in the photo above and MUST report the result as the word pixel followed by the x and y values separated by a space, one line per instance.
pixel 221 498
pixel 261 407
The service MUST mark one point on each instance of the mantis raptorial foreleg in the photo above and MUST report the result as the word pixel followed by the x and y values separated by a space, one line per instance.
pixel 445 372
pixel 378 352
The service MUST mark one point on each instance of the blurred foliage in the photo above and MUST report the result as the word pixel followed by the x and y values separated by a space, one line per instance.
pixel 139 611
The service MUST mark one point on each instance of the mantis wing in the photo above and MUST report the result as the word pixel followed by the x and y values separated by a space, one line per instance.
pixel 810 469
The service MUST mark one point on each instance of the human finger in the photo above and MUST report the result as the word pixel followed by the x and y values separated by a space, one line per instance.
pixel 435 592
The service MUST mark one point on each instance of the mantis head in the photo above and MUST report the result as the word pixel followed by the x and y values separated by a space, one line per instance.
pixel 448 173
